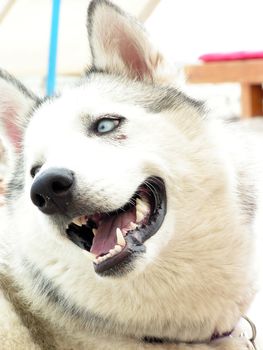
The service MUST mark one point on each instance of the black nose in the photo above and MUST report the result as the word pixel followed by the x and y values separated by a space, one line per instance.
pixel 51 191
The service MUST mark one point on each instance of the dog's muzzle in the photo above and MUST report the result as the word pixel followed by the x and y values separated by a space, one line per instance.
pixel 112 240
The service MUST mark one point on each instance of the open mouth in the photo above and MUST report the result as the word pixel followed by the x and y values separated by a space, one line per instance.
pixel 112 239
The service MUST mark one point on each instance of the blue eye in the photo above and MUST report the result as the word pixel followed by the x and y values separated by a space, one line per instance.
pixel 106 125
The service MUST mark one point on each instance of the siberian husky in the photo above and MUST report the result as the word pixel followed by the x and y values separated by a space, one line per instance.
pixel 131 216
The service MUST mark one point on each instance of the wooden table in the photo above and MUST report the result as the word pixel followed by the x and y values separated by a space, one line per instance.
pixel 248 73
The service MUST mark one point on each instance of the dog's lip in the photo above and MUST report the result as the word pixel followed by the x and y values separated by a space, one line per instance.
pixel 128 244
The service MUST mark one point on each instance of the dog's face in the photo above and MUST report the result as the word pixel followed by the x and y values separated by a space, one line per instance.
pixel 98 176
pixel 91 167
pixel 114 189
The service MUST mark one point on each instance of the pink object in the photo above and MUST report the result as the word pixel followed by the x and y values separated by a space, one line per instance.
pixel 231 56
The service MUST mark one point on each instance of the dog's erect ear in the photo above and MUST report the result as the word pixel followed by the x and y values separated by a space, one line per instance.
pixel 119 44
pixel 15 104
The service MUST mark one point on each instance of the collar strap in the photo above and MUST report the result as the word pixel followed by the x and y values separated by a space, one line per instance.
pixel 240 333
pixel 216 335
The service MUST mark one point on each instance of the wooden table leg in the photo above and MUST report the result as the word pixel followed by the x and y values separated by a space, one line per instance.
pixel 251 100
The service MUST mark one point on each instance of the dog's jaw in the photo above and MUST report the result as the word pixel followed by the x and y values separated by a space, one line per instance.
pixel 113 240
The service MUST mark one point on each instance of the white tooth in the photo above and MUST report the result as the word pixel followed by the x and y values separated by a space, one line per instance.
pixel 139 202
pixel 100 259
pixel 139 216
pixel 112 252
pixel 142 206
pixel 77 221
pixel 89 255
pixel 96 261
pixel 120 238
pixel 117 248
pixel 94 230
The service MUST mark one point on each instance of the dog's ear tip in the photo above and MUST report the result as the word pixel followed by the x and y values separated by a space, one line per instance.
pixel 119 44
pixel 15 103
pixel 95 4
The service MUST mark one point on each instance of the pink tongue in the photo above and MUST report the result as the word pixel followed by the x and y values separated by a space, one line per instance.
pixel 105 238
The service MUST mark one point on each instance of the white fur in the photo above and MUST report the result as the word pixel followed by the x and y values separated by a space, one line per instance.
pixel 198 274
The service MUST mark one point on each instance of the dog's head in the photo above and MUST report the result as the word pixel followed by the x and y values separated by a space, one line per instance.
pixel 97 159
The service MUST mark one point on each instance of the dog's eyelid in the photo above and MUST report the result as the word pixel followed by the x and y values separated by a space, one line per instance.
pixel 116 117
pixel 116 121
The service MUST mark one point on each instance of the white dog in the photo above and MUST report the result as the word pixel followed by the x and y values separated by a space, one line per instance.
pixel 131 216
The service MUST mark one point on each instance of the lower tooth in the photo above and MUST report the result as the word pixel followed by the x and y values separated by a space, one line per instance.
pixel 100 259
pixel 117 248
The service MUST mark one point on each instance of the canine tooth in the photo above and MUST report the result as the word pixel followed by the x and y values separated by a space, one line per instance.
pixel 141 210
pixel 117 248
pixel 89 255
pixel 120 238
pixel 94 230
pixel 142 206
pixel 139 216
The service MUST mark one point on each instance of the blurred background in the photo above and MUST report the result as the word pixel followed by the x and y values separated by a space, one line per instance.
pixel 183 30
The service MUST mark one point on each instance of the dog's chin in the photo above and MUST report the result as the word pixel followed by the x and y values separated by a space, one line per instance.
pixel 113 240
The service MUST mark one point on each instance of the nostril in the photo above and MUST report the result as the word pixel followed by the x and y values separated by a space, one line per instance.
pixel 59 187
pixel 39 201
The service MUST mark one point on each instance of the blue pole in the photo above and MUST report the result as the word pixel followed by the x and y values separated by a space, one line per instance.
pixel 52 62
